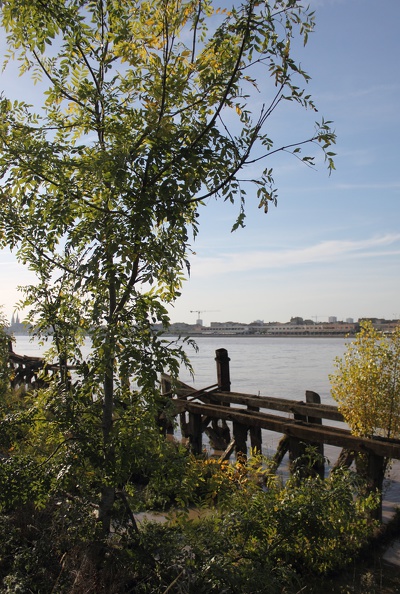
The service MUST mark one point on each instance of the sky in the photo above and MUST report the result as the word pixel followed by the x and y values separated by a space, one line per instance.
pixel 332 245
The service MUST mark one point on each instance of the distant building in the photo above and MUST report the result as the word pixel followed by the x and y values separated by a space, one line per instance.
pixel 296 320
pixel 332 319
pixel 228 328
pixel 16 326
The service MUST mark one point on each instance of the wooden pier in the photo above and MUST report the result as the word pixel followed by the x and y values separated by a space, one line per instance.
pixel 232 419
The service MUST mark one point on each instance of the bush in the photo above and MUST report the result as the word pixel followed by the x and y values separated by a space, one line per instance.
pixel 366 384
pixel 262 536
pixel 261 539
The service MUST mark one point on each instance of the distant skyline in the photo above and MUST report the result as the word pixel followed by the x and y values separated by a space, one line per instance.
pixel 332 246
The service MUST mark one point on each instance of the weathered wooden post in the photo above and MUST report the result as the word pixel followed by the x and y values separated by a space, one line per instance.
pixel 240 437
pixel 195 433
pixel 297 447
pixel 224 384
pixel 165 424
pixel 220 430
pixel 319 466
pixel 223 373
pixel 376 467
pixel 255 433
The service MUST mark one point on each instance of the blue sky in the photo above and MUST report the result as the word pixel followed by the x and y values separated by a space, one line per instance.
pixel 332 246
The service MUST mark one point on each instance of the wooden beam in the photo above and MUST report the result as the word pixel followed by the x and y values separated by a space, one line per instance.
pixel 322 411
pixel 336 436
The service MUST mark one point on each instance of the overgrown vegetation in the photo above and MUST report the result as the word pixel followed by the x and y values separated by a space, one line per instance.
pixel 232 528
pixel 142 111
pixel 145 112
pixel 366 383
pixel 262 536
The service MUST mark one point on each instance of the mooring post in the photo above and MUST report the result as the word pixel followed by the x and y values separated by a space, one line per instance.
pixel 376 467
pixel 223 374
pixel 319 466
pixel 195 433
pixel 166 425
pixel 297 448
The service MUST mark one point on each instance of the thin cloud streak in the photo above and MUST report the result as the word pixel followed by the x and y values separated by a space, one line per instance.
pixel 326 251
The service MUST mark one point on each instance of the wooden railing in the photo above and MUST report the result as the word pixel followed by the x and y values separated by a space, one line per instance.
pixel 30 372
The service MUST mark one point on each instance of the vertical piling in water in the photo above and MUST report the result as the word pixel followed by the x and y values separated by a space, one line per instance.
pixel 223 372
pixel 255 433
pixel 195 433
pixel 224 384
pixel 376 467
pixel 297 448
pixel 166 425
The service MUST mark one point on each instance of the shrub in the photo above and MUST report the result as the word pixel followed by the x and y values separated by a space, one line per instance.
pixel 366 384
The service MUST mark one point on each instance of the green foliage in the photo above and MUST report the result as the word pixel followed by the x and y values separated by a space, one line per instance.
pixel 4 368
pixel 271 539
pixel 366 383
pixel 263 536
pixel 145 113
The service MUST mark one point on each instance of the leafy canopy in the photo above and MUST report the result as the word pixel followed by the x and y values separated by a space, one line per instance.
pixel 145 114
pixel 366 383
pixel 145 111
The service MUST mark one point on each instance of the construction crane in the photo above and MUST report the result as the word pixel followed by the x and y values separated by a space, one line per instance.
pixel 199 321
pixel 316 318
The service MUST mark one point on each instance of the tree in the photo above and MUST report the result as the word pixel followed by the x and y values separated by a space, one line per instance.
pixel 366 383
pixel 146 113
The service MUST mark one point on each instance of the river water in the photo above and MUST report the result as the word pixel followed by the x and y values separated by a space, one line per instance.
pixel 283 367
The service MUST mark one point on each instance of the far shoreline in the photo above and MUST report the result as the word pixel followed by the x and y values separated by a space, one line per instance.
pixel 221 335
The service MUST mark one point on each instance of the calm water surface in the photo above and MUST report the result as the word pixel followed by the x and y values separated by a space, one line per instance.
pixel 281 367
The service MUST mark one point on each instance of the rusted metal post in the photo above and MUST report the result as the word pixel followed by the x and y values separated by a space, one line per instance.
pixel 223 374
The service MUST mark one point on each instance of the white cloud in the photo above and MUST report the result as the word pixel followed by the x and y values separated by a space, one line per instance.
pixel 326 251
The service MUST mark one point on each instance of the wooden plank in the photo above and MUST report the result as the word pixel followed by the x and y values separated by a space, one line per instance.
pixel 322 411
pixel 330 435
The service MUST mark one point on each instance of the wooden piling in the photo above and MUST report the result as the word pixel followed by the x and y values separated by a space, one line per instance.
pixel 195 433
pixel 223 373
pixel 376 467
pixel 255 433
pixel 240 437
pixel 166 426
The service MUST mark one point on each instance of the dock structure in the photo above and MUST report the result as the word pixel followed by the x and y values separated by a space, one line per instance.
pixel 232 420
